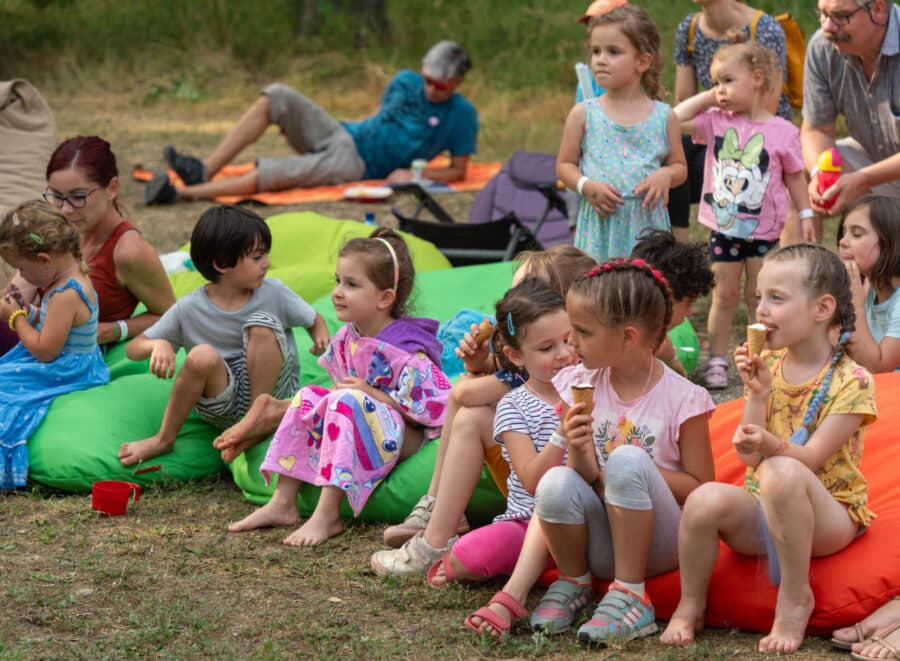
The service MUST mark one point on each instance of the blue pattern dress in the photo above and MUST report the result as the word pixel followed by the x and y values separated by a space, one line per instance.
pixel 622 156
pixel 29 386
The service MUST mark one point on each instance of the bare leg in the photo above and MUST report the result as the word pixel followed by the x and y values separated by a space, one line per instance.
pixel 281 510
pixel 568 546
pixel 245 184
pixel 325 521
pixel 462 468
pixel 752 267
pixel 532 560
pixel 804 521
pixel 682 234
pixel 244 133
pixel 710 511
pixel 724 302
pixel 446 435
pixel 202 374
pixel 631 532
pixel 260 422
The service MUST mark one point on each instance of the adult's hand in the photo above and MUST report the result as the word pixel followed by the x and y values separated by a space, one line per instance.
pixel 848 188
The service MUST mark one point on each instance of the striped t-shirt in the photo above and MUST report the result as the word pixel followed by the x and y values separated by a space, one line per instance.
pixel 522 411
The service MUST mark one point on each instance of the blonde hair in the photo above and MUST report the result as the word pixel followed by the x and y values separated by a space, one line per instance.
pixel 754 56
pixel 643 34
pixel 34 227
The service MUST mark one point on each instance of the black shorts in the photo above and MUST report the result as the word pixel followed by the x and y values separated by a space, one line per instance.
pixel 724 248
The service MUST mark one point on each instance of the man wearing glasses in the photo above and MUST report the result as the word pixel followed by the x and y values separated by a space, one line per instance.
pixel 421 115
pixel 853 69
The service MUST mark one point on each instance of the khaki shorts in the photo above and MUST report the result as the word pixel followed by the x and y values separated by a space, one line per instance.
pixel 326 152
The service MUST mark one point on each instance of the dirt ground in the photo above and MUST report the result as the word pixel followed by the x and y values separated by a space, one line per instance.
pixel 167 581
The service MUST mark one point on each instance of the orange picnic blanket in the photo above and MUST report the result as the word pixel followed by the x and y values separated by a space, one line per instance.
pixel 477 175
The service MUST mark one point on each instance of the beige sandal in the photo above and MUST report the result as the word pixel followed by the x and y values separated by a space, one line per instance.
pixel 879 639
pixel 846 645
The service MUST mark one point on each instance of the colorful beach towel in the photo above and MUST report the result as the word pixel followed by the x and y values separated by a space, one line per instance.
pixel 477 176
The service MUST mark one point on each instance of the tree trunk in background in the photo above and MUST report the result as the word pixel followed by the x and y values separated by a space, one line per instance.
pixel 368 17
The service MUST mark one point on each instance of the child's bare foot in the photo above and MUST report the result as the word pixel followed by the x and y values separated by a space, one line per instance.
pixel 438 578
pixel 686 621
pixel 137 451
pixel 879 619
pixel 791 617
pixel 316 530
pixel 261 420
pixel 272 514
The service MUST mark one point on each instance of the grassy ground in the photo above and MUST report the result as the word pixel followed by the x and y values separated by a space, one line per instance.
pixel 167 581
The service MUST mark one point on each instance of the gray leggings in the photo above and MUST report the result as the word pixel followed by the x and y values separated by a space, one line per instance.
pixel 632 482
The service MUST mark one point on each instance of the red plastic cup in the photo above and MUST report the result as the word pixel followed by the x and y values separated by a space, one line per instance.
pixel 111 496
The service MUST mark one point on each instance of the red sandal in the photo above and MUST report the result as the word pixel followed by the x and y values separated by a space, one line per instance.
pixel 499 626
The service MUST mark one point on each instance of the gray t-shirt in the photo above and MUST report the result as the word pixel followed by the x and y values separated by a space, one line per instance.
pixel 834 84
pixel 195 319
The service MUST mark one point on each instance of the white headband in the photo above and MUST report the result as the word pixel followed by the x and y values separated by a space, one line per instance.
pixel 394 259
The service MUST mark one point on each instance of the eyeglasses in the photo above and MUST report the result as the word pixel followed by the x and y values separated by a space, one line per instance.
pixel 839 18
pixel 75 200
pixel 438 84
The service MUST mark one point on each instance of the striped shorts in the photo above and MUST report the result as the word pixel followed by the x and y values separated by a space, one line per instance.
pixel 230 405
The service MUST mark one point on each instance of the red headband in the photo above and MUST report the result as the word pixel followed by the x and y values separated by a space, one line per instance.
pixel 609 266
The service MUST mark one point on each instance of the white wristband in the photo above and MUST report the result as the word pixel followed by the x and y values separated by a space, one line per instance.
pixel 580 185
pixel 806 213
pixel 557 440
pixel 123 330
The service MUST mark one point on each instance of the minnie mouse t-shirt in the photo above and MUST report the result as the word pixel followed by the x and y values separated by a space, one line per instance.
pixel 744 195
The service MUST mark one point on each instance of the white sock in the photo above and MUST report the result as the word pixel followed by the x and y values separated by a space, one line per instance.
pixel 637 588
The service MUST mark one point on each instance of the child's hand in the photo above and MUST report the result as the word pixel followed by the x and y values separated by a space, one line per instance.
pixel 602 196
pixel 8 305
pixel 162 360
pixel 319 344
pixel 760 381
pixel 749 438
pixel 476 357
pixel 811 229
pixel 859 286
pixel 655 188
pixel 355 383
pixel 578 427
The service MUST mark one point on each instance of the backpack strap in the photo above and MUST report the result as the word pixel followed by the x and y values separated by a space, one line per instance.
pixel 754 21
pixel 692 31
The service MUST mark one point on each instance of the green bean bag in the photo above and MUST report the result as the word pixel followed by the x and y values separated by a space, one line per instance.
pixel 79 440
pixel 305 246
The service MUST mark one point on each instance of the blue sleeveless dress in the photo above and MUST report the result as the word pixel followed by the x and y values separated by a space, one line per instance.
pixel 28 386
pixel 622 156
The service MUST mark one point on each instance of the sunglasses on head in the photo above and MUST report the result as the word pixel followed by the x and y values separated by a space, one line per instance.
pixel 438 84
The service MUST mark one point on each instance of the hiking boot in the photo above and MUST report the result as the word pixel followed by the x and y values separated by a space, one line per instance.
pixel 415 557
pixel 190 169
pixel 159 190
pixel 715 373
pixel 561 604
pixel 620 616
pixel 396 536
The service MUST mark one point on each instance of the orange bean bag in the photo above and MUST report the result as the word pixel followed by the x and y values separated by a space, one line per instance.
pixel 847 585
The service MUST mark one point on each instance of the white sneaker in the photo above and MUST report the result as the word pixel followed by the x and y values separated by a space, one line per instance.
pixel 396 536
pixel 415 557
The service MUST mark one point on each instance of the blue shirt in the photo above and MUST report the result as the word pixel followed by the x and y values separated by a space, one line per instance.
pixel 408 126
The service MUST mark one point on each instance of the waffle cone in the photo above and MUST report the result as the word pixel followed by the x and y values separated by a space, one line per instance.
pixel 585 394
pixel 756 339
pixel 485 330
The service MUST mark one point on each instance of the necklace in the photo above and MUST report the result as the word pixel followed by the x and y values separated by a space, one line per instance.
pixel 622 421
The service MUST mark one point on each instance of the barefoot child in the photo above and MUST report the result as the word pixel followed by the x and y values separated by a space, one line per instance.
pixel 754 168
pixel 235 329
pixel 531 337
pixel 621 151
pixel 801 437
pixel 57 351
pixel 869 244
pixel 613 510
pixel 389 396
pixel 467 435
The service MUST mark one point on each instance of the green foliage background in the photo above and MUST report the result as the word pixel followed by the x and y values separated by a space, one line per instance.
pixel 515 44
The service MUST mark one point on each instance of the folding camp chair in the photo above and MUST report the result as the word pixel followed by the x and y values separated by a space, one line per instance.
pixel 503 219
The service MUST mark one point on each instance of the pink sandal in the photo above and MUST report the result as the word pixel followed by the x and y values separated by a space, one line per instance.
pixel 499 626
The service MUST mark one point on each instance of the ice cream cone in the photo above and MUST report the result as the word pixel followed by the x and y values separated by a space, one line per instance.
pixel 485 329
pixel 756 339
pixel 584 393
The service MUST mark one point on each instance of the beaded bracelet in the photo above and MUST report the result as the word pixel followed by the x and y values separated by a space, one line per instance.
pixel 12 318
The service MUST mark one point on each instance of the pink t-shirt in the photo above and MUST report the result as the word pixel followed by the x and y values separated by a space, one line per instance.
pixel 652 421
pixel 744 195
